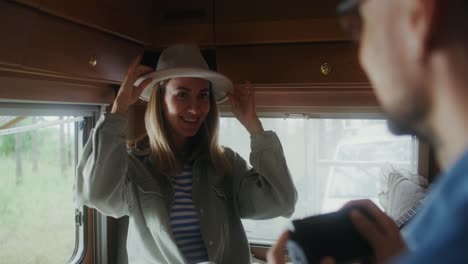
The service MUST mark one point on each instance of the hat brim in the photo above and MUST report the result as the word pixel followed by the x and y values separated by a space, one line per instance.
pixel 220 83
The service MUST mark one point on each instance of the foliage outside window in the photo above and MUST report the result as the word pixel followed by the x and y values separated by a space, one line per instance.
pixel 38 157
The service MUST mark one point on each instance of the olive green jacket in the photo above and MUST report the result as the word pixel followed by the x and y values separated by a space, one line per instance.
pixel 118 182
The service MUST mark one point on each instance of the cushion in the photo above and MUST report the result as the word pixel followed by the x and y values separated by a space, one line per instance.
pixel 401 190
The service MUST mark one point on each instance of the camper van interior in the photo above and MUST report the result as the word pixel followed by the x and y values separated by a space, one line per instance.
pixel 61 66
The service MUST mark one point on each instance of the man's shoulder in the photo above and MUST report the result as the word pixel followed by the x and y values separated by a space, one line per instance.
pixel 442 220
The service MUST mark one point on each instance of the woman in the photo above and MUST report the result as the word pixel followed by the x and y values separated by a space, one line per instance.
pixel 186 195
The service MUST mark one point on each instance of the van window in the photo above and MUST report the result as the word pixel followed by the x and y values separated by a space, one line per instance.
pixel 38 158
pixel 332 161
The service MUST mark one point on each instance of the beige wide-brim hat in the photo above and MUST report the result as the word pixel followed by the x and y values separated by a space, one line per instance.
pixel 185 60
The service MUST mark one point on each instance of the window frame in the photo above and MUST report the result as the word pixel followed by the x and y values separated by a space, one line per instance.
pixel 259 249
pixel 82 218
pixel 82 215
pixel 336 113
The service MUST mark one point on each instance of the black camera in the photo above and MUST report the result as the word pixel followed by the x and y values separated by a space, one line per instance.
pixel 328 235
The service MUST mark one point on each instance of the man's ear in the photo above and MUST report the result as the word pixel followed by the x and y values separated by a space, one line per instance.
pixel 424 19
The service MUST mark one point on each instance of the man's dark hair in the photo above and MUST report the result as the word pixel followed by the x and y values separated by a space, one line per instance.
pixel 464 20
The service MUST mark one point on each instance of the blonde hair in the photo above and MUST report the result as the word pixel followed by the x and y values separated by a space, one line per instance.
pixel 205 144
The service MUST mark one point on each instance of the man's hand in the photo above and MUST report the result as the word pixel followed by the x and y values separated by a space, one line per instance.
pixel 276 254
pixel 383 234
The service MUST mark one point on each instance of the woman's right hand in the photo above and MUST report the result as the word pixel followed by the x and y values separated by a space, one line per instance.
pixel 128 92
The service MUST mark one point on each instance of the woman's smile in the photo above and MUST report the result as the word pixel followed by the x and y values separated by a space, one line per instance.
pixel 192 122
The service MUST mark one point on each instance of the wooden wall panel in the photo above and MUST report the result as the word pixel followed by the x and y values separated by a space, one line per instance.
pixel 292 64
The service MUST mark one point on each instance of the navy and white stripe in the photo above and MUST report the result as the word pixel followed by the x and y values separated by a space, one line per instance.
pixel 184 219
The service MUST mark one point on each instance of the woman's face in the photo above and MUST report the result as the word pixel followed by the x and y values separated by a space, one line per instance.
pixel 186 105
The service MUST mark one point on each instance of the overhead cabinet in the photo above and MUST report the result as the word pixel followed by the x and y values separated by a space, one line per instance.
pixel 318 63
pixel 15 25
pixel 241 22
pixel 47 45
pixel 299 75
pixel 155 24
pixel 131 19
pixel 59 46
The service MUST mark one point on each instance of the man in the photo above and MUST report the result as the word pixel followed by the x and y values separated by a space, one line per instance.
pixel 415 53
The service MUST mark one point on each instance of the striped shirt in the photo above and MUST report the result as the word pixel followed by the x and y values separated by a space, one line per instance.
pixel 184 219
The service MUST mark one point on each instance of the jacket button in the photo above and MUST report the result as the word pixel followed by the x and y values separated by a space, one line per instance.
pixel 201 211
pixel 211 243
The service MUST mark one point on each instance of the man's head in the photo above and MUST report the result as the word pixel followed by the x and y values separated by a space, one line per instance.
pixel 398 43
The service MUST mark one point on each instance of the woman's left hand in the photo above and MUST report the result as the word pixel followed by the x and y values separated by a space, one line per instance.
pixel 242 98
